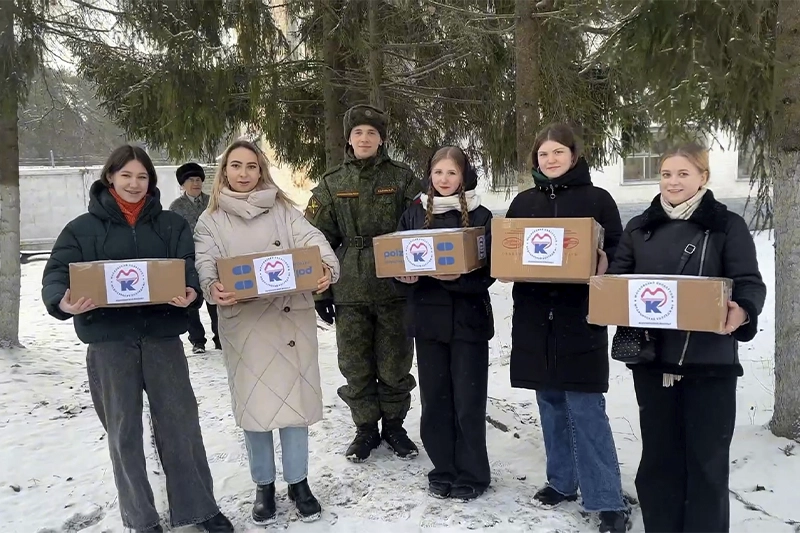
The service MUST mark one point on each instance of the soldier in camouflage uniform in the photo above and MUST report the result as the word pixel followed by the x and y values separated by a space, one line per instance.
pixel 362 198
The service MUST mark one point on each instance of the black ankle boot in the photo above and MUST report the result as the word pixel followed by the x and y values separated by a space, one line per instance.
pixel 264 505
pixel 308 507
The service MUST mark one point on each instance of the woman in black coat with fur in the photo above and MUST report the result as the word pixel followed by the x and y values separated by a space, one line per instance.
pixel 687 396
pixel 450 318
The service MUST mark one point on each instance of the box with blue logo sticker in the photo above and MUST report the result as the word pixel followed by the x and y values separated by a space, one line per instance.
pixel 429 252
pixel 686 303
pixel 128 283
pixel 268 274
pixel 556 250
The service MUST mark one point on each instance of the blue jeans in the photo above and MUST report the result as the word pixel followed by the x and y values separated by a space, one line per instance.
pixel 580 448
pixel 294 455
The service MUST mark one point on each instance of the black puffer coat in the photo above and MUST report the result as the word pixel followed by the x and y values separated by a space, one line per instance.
pixel 104 234
pixel 653 244
pixel 450 310
pixel 553 347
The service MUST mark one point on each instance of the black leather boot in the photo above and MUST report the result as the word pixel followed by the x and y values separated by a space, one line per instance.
pixel 264 505
pixel 308 508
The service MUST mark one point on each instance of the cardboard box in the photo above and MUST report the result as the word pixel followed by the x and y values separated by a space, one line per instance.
pixel 559 250
pixel 269 274
pixel 431 251
pixel 125 283
pixel 687 303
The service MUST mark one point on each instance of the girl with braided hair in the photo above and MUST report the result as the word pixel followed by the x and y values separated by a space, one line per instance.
pixel 450 318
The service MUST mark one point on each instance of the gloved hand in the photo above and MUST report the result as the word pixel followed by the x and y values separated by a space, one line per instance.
pixel 326 310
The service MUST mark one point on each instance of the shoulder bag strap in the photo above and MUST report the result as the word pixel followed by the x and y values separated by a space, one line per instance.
pixel 690 249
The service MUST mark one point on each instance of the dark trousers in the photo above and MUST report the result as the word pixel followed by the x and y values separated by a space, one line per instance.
pixel 197 333
pixel 687 429
pixel 453 384
pixel 119 374
pixel 375 357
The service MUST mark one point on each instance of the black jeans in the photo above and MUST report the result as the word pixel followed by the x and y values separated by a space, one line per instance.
pixel 119 374
pixel 453 384
pixel 687 430
pixel 197 333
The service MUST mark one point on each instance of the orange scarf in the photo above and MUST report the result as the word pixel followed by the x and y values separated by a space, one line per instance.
pixel 129 210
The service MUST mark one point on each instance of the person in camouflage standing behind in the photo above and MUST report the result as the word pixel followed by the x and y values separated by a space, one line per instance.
pixel 362 198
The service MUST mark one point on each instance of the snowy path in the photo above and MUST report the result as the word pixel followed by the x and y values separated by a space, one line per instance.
pixel 55 475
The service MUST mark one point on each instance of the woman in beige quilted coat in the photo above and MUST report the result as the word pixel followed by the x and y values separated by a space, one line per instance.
pixel 269 344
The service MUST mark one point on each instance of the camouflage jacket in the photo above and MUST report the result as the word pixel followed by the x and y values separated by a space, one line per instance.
pixel 354 202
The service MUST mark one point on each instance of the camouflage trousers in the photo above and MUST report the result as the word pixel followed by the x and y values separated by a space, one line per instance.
pixel 375 357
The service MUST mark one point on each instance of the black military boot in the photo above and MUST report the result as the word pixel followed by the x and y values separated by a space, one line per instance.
pixel 308 508
pixel 367 439
pixel 396 437
pixel 264 505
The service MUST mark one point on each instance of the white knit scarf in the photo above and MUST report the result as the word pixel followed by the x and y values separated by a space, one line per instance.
pixel 443 204
pixel 680 212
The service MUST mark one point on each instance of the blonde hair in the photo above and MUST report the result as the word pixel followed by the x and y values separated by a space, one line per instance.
pixel 264 181
pixel 456 156
pixel 695 153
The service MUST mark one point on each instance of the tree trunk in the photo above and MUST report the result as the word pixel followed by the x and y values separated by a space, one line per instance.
pixel 786 192
pixel 333 96
pixel 375 56
pixel 9 185
pixel 526 45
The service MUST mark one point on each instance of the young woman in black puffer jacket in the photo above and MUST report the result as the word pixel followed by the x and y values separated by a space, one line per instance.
pixel 556 352
pixel 687 396
pixel 450 318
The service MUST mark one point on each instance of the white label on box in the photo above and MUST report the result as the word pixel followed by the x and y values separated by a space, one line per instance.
pixel 274 274
pixel 543 247
pixel 653 303
pixel 418 254
pixel 127 283
pixel 481 247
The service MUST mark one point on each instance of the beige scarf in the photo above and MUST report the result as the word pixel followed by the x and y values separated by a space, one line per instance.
pixel 247 205
pixel 680 212
pixel 683 211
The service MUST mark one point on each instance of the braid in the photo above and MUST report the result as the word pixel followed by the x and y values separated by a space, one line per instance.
pixel 429 208
pixel 462 198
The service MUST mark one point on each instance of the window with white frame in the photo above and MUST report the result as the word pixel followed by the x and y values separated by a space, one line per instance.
pixel 642 165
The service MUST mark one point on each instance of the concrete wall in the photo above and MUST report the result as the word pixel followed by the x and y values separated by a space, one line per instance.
pixel 51 197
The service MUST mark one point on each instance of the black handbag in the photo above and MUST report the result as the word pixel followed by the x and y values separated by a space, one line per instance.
pixel 634 346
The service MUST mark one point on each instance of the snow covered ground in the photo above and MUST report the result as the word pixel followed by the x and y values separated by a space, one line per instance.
pixel 55 475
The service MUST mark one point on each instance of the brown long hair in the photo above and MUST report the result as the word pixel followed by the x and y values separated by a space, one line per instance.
pixel 456 156
pixel 264 181
pixel 562 134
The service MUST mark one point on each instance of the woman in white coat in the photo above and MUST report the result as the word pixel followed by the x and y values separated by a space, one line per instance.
pixel 269 344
